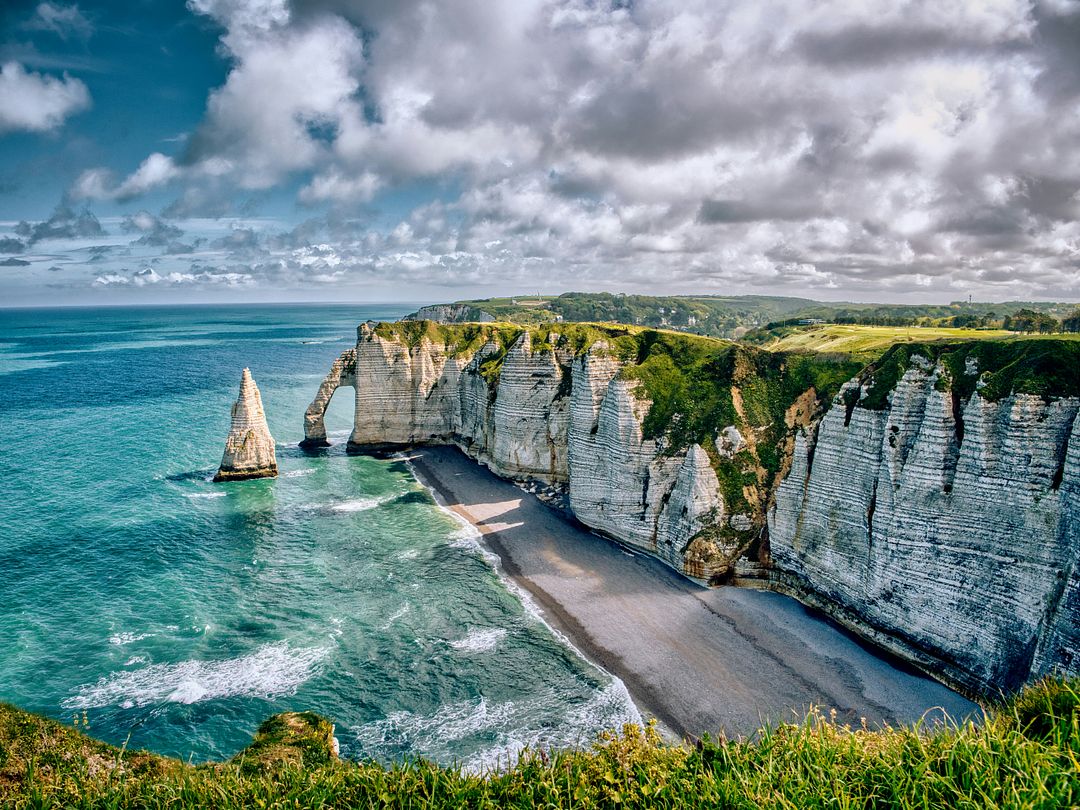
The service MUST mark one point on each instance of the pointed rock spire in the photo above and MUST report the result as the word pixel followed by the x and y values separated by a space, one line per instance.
pixel 249 449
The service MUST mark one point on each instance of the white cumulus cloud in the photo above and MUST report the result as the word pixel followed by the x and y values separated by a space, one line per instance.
pixel 37 102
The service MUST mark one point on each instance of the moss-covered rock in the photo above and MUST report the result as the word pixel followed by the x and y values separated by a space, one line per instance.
pixel 301 738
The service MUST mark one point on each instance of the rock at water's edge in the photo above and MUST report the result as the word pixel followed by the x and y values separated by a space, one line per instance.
pixel 249 449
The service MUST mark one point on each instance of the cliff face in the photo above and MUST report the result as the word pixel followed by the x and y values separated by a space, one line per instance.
pixel 550 412
pixel 451 313
pixel 946 530
pixel 929 504
pixel 249 447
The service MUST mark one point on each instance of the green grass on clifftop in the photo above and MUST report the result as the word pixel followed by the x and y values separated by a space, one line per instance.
pixel 862 340
pixel 1025 755
pixel 1046 367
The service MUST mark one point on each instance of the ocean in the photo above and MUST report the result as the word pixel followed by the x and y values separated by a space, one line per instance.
pixel 177 614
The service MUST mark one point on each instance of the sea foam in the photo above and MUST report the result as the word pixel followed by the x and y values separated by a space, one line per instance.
pixel 272 670
pixel 480 640
pixel 359 504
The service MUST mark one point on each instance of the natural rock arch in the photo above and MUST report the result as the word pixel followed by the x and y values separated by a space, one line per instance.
pixel 342 373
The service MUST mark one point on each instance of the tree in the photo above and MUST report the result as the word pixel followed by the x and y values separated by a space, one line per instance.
pixel 1072 322
pixel 1028 320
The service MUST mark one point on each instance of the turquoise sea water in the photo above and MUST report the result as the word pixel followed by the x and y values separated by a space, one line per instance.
pixel 178 614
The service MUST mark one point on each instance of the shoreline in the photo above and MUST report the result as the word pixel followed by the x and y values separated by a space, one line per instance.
pixel 717 661
pixel 549 611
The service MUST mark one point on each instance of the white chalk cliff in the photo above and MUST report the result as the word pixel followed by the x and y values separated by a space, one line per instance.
pixel 249 447
pixel 946 530
pixel 948 534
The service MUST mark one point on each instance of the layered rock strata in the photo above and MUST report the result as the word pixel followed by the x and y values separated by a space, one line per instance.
pixel 548 413
pixel 929 512
pixel 451 313
pixel 946 531
pixel 342 372
pixel 249 447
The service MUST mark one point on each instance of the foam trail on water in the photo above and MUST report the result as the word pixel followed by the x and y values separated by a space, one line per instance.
pixel 272 670
pixel 128 638
pixel 504 730
pixel 359 504
pixel 480 640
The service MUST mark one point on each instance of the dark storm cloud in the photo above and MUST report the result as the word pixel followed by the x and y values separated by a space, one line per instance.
pixel 13 263
pixel 742 211
pixel 9 245
pixel 1057 36
pixel 866 45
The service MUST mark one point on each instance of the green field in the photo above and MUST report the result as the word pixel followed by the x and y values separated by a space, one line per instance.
pixel 1025 755
pixel 851 339
pixel 732 316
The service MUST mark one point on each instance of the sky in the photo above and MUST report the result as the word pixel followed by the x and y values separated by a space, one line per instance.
pixel 408 150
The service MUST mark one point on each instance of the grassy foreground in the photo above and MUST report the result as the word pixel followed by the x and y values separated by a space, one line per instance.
pixel 1024 756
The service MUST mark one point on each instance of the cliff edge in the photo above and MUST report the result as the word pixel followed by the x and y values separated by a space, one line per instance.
pixel 928 501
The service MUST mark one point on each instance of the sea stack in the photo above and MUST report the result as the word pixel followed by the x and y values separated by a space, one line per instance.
pixel 249 449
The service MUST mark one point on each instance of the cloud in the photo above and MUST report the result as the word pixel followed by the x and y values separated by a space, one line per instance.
pixel 155 171
pixel 64 21
pixel 35 102
pixel 154 232
pixel 149 277
pixel 9 245
pixel 65 223
pixel 334 186
pixel 12 262
pixel 858 149
pixel 288 88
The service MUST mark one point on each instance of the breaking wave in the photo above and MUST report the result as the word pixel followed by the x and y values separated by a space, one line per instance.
pixel 270 671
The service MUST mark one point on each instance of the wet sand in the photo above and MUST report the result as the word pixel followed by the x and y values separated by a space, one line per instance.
pixel 699 660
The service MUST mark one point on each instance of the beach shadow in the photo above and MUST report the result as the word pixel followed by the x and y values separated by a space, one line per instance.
pixel 701 660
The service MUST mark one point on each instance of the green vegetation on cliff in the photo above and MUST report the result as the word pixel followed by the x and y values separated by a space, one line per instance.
pixel 862 341
pixel 1046 367
pixel 731 316
pixel 1025 755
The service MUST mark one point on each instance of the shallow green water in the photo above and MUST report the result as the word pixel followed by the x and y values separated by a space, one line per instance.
pixel 178 613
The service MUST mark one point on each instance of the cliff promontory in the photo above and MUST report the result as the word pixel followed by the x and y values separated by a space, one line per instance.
pixel 249 447
pixel 928 501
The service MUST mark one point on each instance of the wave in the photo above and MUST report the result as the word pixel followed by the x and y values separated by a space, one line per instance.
pixel 431 733
pixel 191 475
pixel 503 730
pixel 205 495
pixel 359 504
pixel 128 638
pixel 480 640
pixel 298 473
pixel 272 670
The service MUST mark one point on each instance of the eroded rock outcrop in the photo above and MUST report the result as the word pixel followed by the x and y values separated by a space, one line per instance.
pixel 342 373
pixel 249 447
